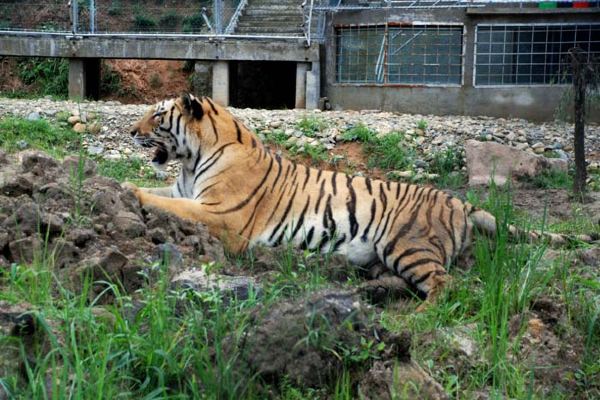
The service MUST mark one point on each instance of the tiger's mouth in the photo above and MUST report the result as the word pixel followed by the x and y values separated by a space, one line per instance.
pixel 161 155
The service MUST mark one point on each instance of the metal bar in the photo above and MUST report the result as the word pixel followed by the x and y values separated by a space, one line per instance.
pixel 74 16
pixel 92 16
pixel 218 11
pixel 236 16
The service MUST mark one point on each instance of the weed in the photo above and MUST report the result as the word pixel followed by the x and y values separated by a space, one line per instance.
pixel 49 75
pixel 132 169
pixel 38 134
pixel 277 137
pixel 390 152
pixel 169 21
pixel 143 23
pixel 115 8
pixel 311 125
pixel 422 124
pixel 315 152
pixel 193 24
pixel 359 133
pixel 552 179
pixel 155 81
pixel 448 164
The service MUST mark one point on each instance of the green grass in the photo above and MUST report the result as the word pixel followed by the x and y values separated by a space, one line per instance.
pixel 311 125
pixel 47 76
pixel 391 151
pixel 359 133
pixel 448 165
pixel 15 133
pixel 133 169
pixel 552 179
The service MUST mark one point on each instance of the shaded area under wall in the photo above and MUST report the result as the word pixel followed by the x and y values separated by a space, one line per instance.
pixel 262 84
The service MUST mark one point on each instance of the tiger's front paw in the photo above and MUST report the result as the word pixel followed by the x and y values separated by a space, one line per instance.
pixel 136 190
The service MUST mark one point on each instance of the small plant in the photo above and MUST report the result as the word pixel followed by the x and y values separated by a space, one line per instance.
pixel 155 81
pixel 277 137
pixel 193 24
pixel 317 153
pixel 311 125
pixel 143 23
pixel 422 124
pixel 132 169
pixel 552 179
pixel 169 21
pixel 390 152
pixel 359 133
pixel 115 8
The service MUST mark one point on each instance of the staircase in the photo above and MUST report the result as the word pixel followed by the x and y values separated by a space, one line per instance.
pixel 271 18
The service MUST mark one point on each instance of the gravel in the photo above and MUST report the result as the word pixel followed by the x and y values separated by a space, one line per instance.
pixel 428 133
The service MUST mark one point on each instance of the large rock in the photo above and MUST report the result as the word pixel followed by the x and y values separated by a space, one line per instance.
pixel 489 160
pixel 227 287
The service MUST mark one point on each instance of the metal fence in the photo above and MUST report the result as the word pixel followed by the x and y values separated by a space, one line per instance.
pixel 387 54
pixel 116 16
pixel 533 54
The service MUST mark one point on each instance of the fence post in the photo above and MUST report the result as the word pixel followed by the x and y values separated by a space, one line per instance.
pixel 74 15
pixel 218 15
pixel 92 16
pixel 578 63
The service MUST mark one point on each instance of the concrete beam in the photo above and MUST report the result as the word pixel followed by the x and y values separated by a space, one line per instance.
pixel 220 83
pixel 301 69
pixel 152 47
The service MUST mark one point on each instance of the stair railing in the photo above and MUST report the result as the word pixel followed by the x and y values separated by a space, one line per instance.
pixel 235 17
pixel 306 26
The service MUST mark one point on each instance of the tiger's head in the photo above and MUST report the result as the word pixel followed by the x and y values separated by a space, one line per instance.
pixel 165 127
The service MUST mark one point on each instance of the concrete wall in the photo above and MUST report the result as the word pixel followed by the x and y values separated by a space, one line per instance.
pixel 532 102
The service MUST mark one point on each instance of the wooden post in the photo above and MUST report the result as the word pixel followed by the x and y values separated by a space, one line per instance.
pixel 578 63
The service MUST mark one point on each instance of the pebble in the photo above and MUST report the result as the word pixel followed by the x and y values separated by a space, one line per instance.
pixel 79 127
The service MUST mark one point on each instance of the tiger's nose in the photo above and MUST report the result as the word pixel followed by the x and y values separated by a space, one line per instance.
pixel 133 131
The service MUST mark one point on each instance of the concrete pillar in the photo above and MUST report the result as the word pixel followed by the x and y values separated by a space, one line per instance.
pixel 313 86
pixel 76 79
pixel 220 82
pixel 84 78
pixel 301 69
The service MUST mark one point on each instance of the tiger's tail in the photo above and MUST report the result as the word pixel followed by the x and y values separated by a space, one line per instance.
pixel 485 222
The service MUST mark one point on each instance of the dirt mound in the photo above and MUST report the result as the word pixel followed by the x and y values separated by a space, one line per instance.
pixel 84 225
pixel 311 341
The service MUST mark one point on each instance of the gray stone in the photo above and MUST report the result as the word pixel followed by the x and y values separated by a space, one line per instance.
pixel 34 116
pixel 228 287
pixel 487 161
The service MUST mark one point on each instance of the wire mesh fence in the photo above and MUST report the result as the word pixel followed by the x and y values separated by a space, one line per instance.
pixel 384 54
pixel 531 54
pixel 118 16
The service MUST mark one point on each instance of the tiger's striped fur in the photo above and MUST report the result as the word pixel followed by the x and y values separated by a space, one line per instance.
pixel 247 195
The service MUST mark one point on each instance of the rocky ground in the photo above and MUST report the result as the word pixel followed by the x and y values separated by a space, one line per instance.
pixel 429 133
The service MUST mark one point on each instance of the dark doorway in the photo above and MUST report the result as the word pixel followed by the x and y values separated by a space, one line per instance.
pixel 262 84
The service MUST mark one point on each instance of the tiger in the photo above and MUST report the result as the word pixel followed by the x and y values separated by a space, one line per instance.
pixel 248 195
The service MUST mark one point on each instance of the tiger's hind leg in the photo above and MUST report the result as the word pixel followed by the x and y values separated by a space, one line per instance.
pixel 423 270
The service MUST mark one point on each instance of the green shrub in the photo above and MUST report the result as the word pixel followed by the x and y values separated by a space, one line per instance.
pixel 144 23
pixel 359 133
pixel 390 152
pixel 49 75
pixel 115 8
pixel 311 125
pixel 169 21
pixel 193 24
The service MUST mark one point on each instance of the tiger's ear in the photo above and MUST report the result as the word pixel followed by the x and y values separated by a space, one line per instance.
pixel 192 105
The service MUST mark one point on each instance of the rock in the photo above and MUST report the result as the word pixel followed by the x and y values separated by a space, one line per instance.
pixel 590 257
pixel 492 160
pixel 386 381
pixel 26 250
pixel 169 254
pixel 22 144
pixel 228 287
pixel 34 116
pixel 129 224
pixel 37 162
pixel 74 119
pixel 75 165
pixel 80 128
pixel 94 128
pixel 95 150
